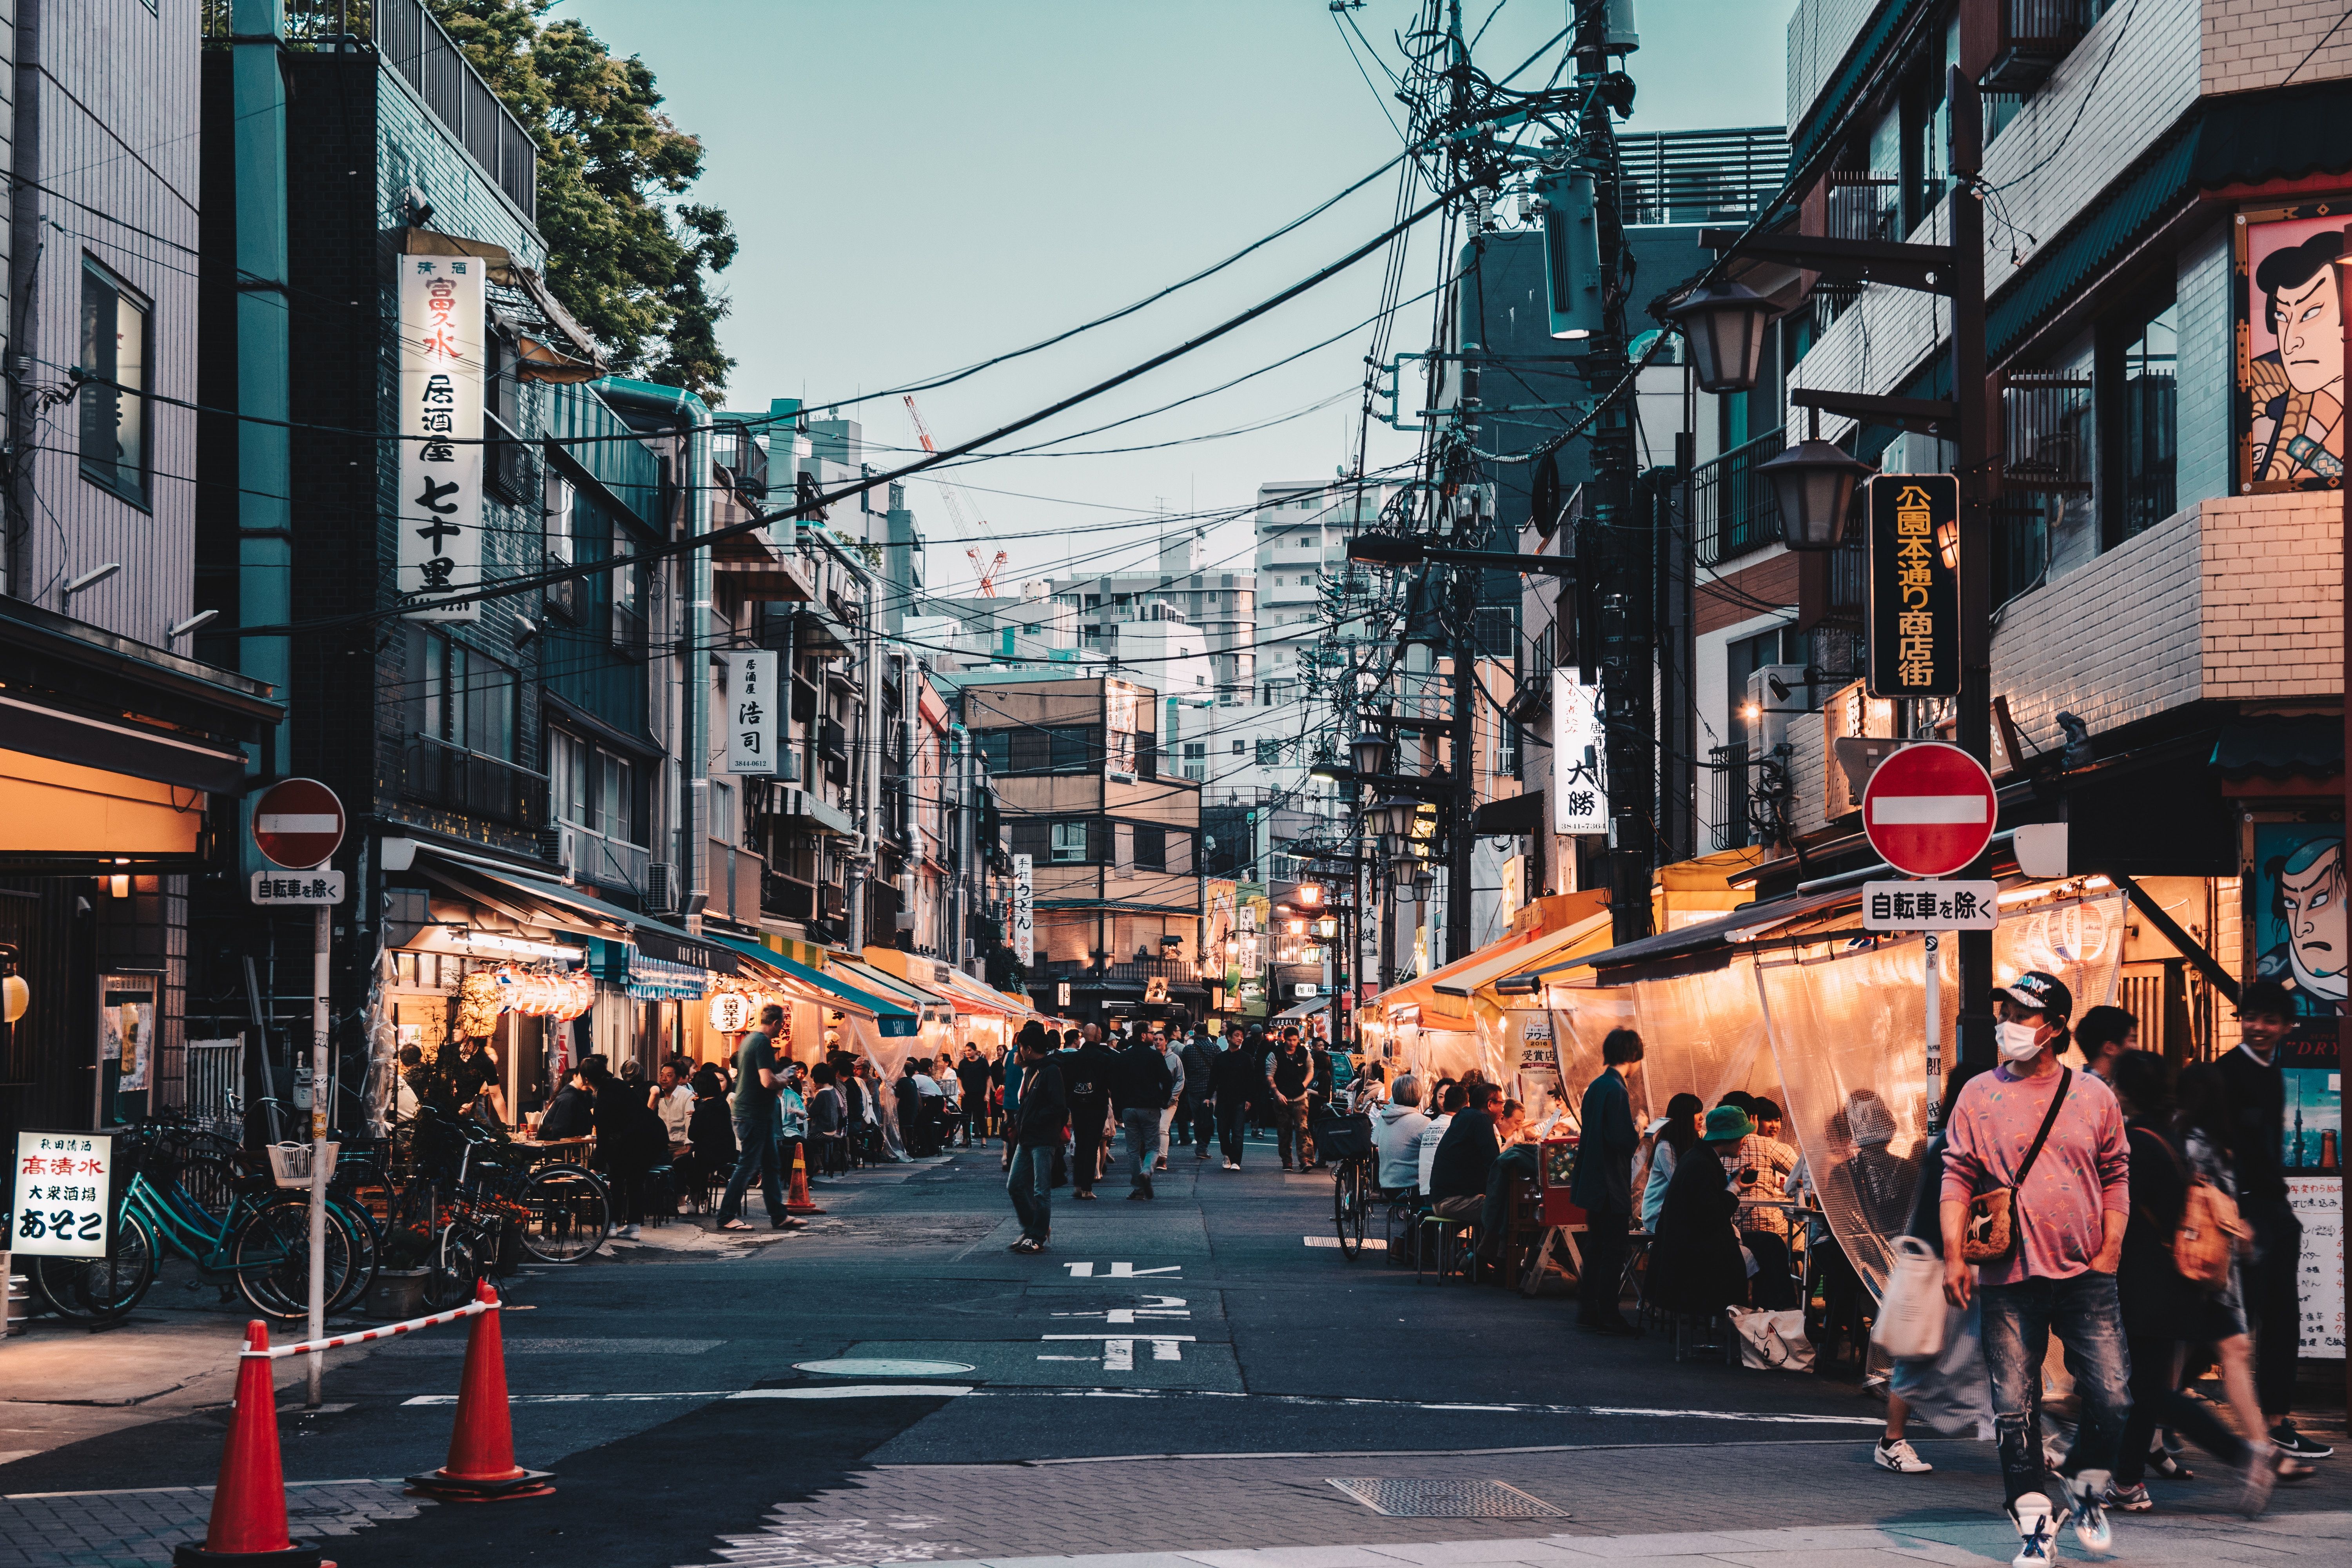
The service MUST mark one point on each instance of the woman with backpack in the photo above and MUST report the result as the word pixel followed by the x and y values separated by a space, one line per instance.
pixel 2172 1219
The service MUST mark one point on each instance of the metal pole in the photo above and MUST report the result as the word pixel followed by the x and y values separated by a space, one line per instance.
pixel 322 928
pixel 1970 393
pixel 1935 978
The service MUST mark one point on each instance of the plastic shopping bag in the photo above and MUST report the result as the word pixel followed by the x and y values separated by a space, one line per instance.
pixel 1911 1317
pixel 1772 1340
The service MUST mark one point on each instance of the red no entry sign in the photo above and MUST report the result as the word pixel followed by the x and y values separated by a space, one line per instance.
pixel 297 823
pixel 1929 809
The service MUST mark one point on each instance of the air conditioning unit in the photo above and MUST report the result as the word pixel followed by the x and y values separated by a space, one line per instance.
pixel 559 846
pixel 661 888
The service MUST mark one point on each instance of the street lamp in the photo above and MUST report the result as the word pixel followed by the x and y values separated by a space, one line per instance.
pixel 1814 483
pixel 1370 751
pixel 1723 324
pixel 1392 817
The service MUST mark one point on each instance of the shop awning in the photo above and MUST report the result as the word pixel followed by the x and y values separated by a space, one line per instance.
pixel 1709 939
pixel 1440 1008
pixel 541 901
pixel 891 1016
pixel 2280 746
pixel 763 968
pixel 960 991
pixel 1302 1012
pixel 1589 934
pixel 927 1002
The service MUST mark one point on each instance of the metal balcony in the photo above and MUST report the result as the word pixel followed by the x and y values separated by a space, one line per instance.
pixel 436 773
pixel 1733 504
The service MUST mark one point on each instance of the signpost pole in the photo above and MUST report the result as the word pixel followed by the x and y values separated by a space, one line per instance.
pixel 1932 946
pixel 321 1089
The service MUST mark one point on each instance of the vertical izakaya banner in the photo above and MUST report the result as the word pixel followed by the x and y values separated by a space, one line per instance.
pixel 443 340
pixel 1024 911
pixel 1914 585
pixel 1579 789
pixel 751 712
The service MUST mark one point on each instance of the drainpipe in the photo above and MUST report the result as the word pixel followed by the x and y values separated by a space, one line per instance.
pixel 692 418
pixel 265 550
pixel 24 274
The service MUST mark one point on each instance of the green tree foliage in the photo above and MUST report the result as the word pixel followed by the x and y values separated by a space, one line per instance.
pixel 628 256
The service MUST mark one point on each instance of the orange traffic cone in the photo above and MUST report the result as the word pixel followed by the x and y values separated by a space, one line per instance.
pixel 481 1467
pixel 797 1200
pixel 248 1519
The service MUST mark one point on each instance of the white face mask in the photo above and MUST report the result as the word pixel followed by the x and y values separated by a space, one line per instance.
pixel 2017 1042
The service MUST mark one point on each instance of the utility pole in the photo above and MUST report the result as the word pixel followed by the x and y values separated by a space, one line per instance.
pixel 1973 395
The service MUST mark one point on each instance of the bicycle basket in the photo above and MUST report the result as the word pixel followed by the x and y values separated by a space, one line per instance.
pixel 290 1164
pixel 1343 1137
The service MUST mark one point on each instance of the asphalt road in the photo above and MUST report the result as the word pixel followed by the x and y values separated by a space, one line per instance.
pixel 671 1390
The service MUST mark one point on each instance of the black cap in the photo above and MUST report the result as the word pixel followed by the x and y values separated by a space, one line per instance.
pixel 2038 991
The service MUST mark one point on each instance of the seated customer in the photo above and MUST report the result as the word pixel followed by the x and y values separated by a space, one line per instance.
pixel 1514 1160
pixel 1397 1127
pixel 1465 1156
pixel 1695 1264
pixel 1449 1105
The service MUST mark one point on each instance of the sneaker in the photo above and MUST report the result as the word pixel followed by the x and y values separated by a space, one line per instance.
pixel 627 1232
pixel 2126 1500
pixel 2260 1475
pixel 1894 1454
pixel 1233 1164
pixel 2086 1513
pixel 2295 1444
pixel 1159 1167
pixel 2031 1514
pixel 2168 1466
pixel 1139 1197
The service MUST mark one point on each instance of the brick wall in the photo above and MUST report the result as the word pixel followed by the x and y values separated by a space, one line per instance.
pixel 2273 598
pixel 2252 44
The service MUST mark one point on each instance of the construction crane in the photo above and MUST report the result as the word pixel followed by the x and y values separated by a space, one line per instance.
pixel 964 526
pixel 988 571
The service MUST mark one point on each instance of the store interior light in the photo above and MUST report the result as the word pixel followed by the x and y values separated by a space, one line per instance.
pixel 16 996
pixel 520 947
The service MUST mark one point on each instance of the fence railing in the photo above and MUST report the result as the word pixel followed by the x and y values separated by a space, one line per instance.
pixel 434 773
pixel 1730 826
pixel 1732 506
pixel 215 1082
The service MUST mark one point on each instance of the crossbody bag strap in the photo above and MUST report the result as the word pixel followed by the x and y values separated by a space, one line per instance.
pixel 2048 1121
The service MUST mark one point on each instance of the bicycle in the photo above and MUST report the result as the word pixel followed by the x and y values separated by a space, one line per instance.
pixel 558 1213
pixel 1347 1142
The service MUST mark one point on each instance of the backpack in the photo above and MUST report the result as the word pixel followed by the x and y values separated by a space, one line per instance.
pixel 2210 1234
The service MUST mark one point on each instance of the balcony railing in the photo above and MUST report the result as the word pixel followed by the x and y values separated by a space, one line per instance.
pixel 436 773
pixel 1733 504
pixel 1730 825
pixel 2031 36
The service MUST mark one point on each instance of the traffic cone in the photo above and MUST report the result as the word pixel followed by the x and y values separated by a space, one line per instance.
pixel 797 1200
pixel 481 1467
pixel 249 1519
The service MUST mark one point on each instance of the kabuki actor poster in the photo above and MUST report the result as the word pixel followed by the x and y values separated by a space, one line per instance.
pixel 2290 348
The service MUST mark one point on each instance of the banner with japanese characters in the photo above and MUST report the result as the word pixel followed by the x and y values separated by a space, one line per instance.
pixel 63 1195
pixel 1914 585
pixel 1579 757
pixel 443 351
pixel 750 727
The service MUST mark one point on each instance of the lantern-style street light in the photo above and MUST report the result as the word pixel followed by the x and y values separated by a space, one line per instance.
pixel 1723 324
pixel 1814 483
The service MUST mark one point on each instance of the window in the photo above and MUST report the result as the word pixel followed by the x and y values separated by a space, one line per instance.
pixel 116 351
pixel 1240 747
pixel 1069 841
pixel 558 514
pixel 616 798
pixel 1074 748
pixel 995 749
pixel 1150 848
pixel 1196 760
pixel 2144 457
pixel 460 696
pixel 1269 753
pixel 567 776
pixel 628 603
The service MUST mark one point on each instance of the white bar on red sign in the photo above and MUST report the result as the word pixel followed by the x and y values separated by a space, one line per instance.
pixel 1922 808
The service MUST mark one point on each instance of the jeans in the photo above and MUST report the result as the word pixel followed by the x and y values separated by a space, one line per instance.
pixel 2273 1304
pixel 1233 1125
pixel 1142 1124
pixel 2156 1400
pixel 1203 1122
pixel 1602 1283
pixel 1031 1186
pixel 2019 1320
pixel 1290 1129
pixel 757 1143
pixel 1167 1121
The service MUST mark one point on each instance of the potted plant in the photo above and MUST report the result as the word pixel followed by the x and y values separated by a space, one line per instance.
pixel 399 1289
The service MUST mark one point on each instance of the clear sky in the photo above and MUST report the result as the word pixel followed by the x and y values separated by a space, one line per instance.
pixel 921 184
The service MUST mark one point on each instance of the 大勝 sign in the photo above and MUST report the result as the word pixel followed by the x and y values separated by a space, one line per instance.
pixel 443 340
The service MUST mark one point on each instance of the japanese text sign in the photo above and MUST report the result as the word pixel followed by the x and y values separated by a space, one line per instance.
pixel 1930 906
pixel 1579 757
pixel 1024 911
pixel 64 1192
pixel 304 887
pixel 751 724
pixel 442 341
pixel 1914 585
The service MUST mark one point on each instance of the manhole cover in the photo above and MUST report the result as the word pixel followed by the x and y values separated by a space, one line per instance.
pixel 1447 1499
pixel 882 1366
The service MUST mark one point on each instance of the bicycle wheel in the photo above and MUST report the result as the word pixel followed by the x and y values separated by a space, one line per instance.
pixel 365 1242
pixel 271 1257
pixel 99 1290
pixel 456 1264
pixel 1347 1205
pixel 566 1213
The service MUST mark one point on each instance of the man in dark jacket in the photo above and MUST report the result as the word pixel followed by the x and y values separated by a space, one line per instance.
pixel 1087 1076
pixel 1465 1157
pixel 1139 1086
pixel 1290 1075
pixel 1695 1264
pixel 2274 1301
pixel 1035 1133
pixel 1198 1056
pixel 1236 1080
pixel 1603 1187
pixel 971 1073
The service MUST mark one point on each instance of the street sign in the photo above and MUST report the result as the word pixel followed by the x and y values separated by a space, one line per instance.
pixel 1929 809
pixel 297 823
pixel 1930 906
pixel 310 888
pixel 62 1194
pixel 1914 585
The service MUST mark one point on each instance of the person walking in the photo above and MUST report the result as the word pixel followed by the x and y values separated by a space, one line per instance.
pixel 1603 1185
pixel 2273 1296
pixel 2046 1143
pixel 1198 1057
pixel 755 1128
pixel 1290 1077
pixel 1088 1072
pixel 972 1074
pixel 1237 1082
pixel 1139 1091
pixel 1174 1058
pixel 619 1116
pixel 1033 1133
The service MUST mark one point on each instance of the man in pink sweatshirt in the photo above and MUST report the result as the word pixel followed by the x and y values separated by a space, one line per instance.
pixel 2068 1217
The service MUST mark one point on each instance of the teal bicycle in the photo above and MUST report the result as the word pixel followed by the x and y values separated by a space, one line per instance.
pixel 199 1197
